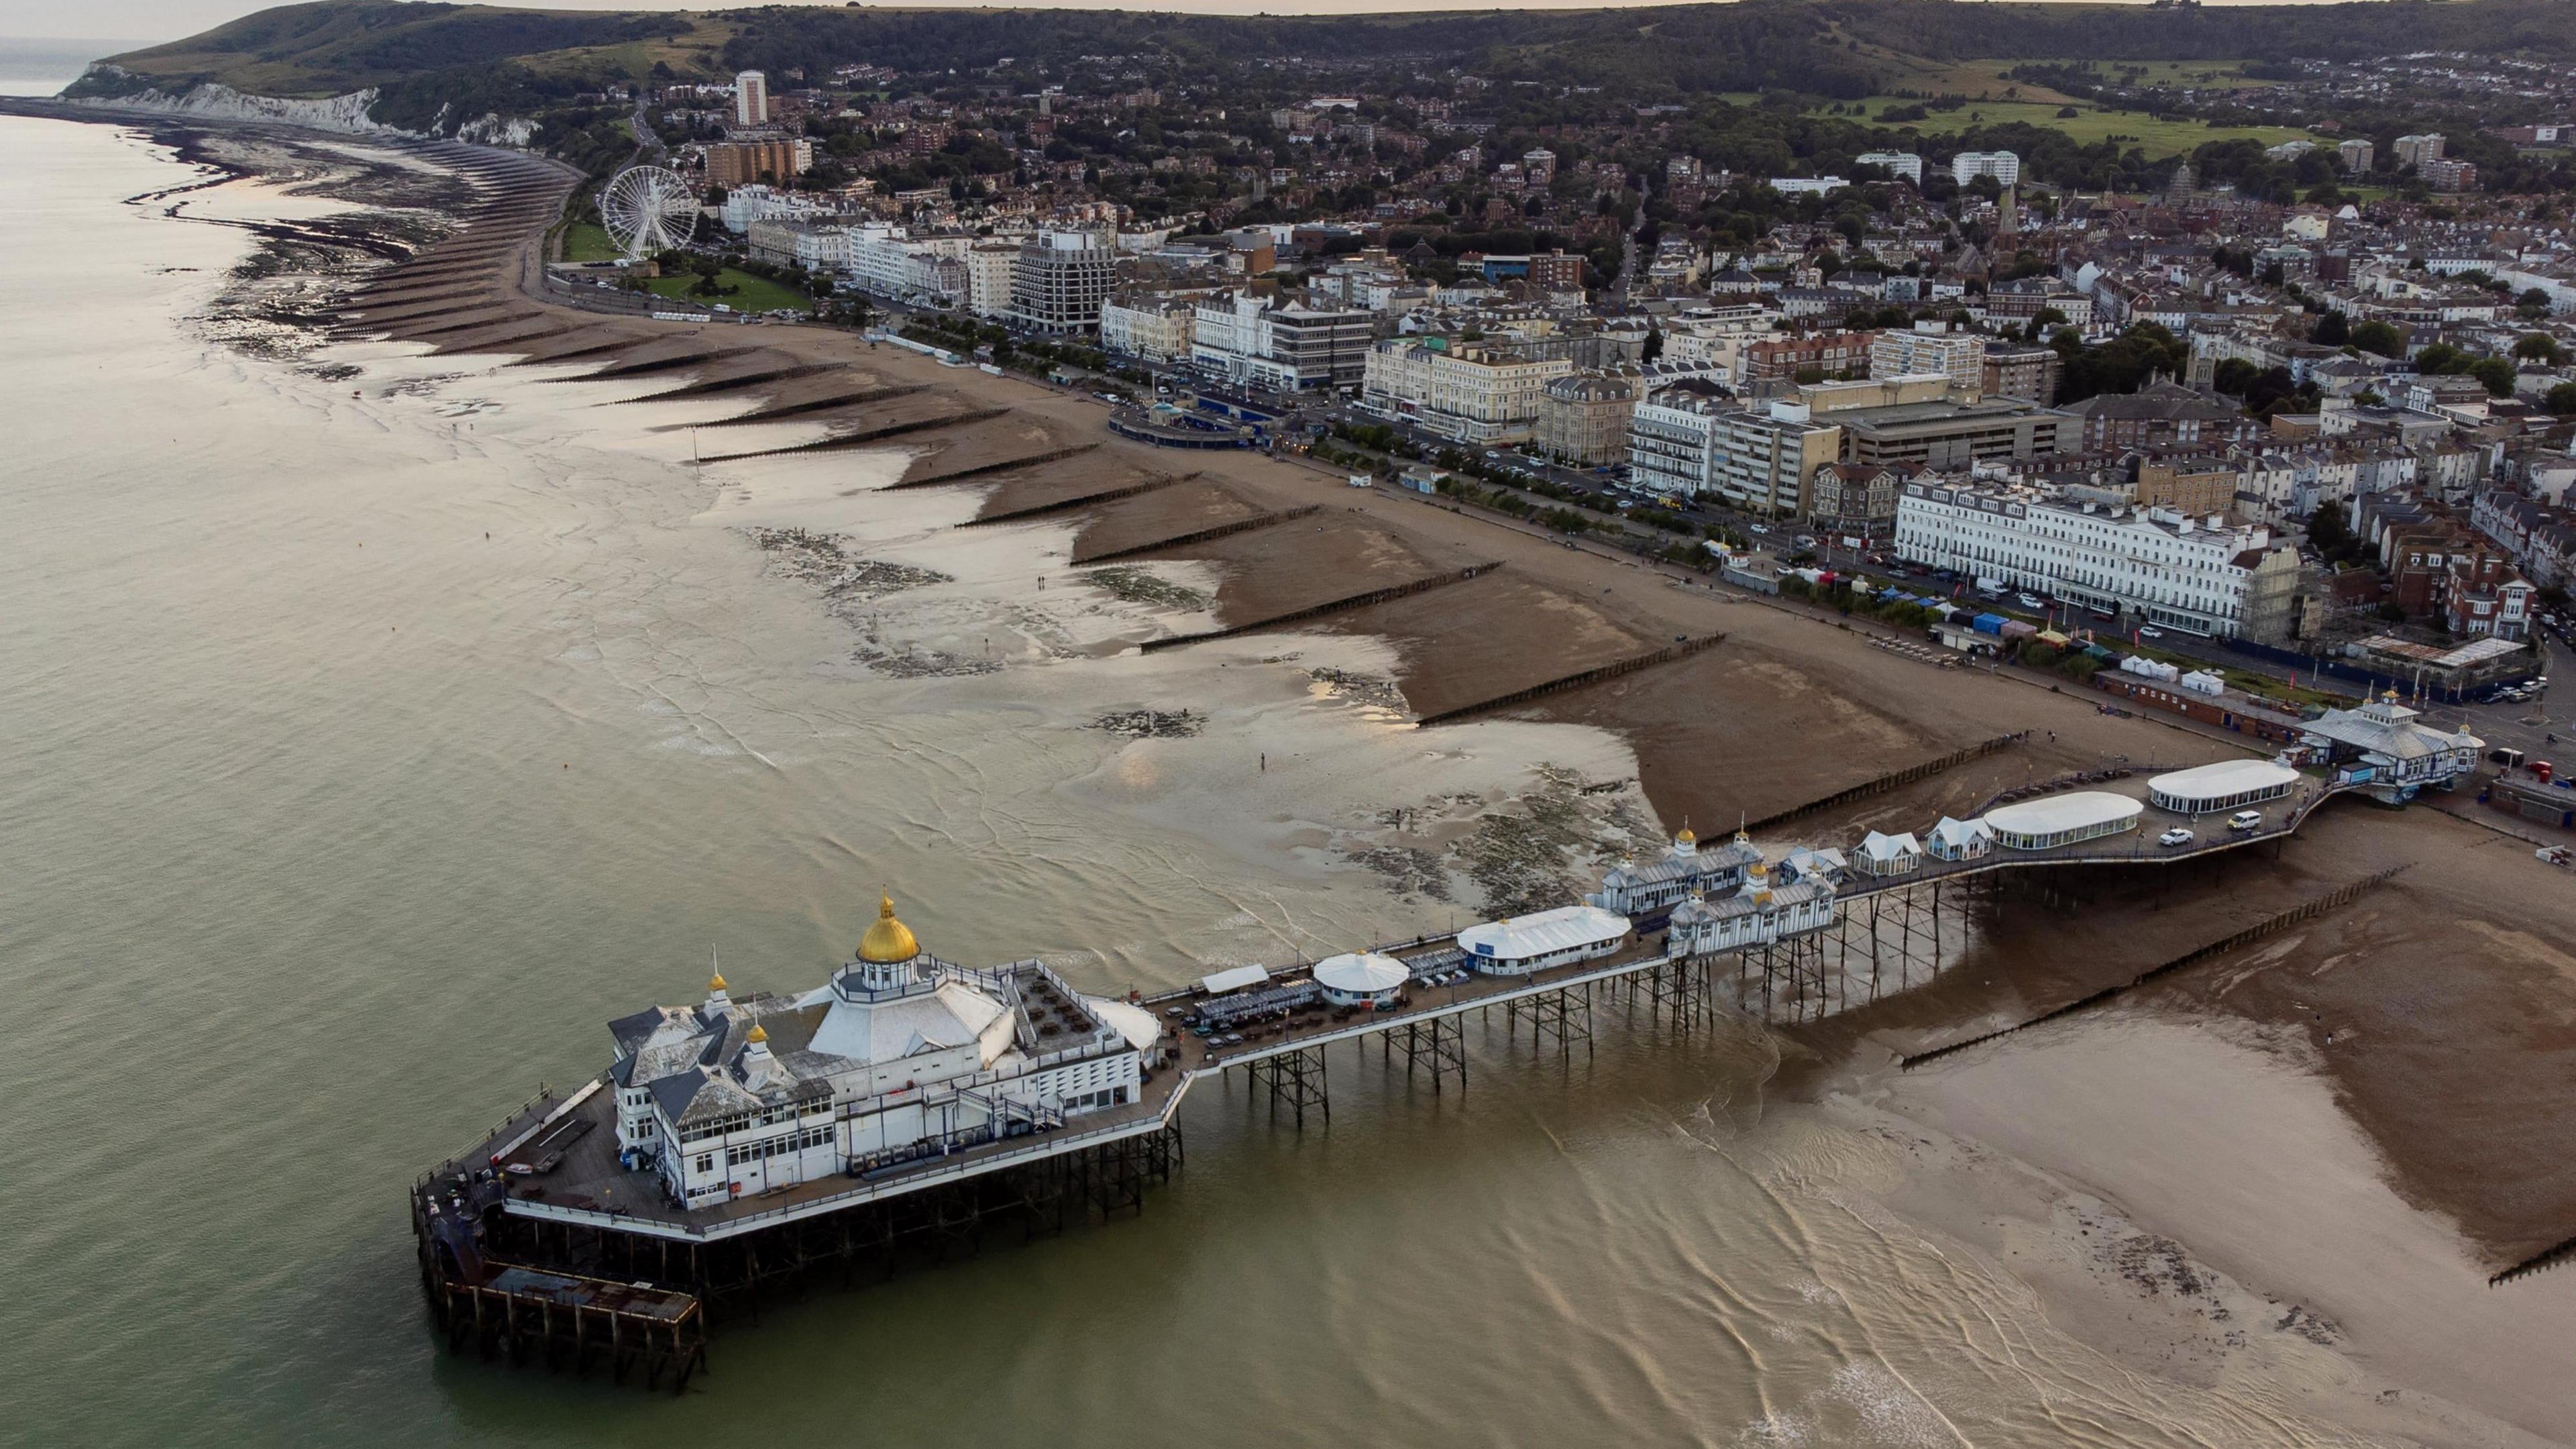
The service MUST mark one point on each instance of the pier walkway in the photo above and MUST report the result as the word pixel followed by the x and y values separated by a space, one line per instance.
pixel 584 1184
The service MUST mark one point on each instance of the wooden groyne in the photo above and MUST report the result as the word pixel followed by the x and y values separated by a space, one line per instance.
pixel 1154 484
pixel 859 398
pixel 658 364
pixel 1332 606
pixel 711 386
pixel 1222 530
pixel 1054 455
pixel 1666 655
pixel 864 436
pixel 1893 779
pixel 2549 1257
pixel 2309 910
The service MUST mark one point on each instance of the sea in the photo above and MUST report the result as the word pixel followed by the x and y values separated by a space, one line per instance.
pixel 374 727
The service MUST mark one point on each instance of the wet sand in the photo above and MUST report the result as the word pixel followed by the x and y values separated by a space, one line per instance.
pixel 2377 1178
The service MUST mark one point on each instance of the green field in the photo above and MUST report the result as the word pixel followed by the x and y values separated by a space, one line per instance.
pixel 587 241
pixel 758 294
pixel 2088 125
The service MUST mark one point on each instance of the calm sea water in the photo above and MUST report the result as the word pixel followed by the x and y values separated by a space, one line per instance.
pixel 361 755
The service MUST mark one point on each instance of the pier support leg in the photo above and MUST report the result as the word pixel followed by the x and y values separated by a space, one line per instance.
pixel 1565 1015
pixel 1296 1081
pixel 1441 1045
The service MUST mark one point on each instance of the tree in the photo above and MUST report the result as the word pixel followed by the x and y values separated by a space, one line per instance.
pixel 2233 376
pixel 2537 346
pixel 2333 330
pixel 2533 303
pixel 2496 373
pixel 2561 400
pixel 2441 358
pixel 2379 337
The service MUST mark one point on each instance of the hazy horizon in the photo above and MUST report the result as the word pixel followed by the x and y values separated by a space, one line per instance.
pixel 140 23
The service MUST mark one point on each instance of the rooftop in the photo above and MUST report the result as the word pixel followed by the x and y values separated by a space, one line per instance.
pixel 2221 780
pixel 2054 814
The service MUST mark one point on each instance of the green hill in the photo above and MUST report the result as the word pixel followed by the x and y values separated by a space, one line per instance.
pixel 431 59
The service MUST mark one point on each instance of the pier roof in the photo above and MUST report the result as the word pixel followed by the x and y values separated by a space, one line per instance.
pixel 1566 928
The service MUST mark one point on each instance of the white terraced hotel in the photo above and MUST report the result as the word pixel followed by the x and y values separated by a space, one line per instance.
pixel 2203 575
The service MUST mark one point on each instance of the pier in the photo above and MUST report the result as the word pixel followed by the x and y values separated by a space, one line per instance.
pixel 544 1243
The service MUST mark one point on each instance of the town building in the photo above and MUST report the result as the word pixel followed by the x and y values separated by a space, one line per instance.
pixel 751 99
pixel 2029 373
pixel 1903 165
pixel 1764 459
pixel 1931 347
pixel 2356 156
pixel 1059 279
pixel 2417 151
pixel 2003 166
pixel 2162 414
pixel 740 163
pixel 1584 418
pixel 795 242
pixel 1155 328
pixel 1244 338
pixel 1783 358
pixel 2157 566
pixel 1954 434
pixel 1470 392
pixel 1856 499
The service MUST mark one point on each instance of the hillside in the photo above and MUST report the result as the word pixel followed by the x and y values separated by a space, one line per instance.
pixel 433 64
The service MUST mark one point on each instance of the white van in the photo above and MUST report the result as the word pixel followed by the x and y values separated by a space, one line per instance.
pixel 2245 820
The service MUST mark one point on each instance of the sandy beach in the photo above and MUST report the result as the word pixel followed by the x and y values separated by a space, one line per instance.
pixel 2278 1179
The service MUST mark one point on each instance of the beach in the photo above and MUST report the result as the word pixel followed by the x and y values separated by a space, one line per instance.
pixel 468 692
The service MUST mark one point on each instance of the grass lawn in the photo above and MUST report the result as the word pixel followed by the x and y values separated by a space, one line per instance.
pixel 2204 75
pixel 758 294
pixel 2087 126
pixel 587 241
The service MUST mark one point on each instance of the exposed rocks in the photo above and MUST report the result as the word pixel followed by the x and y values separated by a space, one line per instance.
pixel 1408 871
pixel 1137 586
pixel 1536 854
pixel 1151 724
pixel 846 581
pixel 1366 688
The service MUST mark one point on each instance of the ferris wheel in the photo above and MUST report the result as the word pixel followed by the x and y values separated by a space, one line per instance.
pixel 648 209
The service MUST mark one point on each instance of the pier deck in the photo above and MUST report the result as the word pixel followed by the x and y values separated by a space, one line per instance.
pixel 585 1184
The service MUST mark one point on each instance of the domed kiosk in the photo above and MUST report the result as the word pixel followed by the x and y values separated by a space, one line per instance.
pixel 1361 978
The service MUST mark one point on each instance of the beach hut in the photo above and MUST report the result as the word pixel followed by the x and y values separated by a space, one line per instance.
pixel 1956 839
pixel 1899 854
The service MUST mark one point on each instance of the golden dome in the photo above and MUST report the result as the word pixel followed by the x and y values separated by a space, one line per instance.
pixel 1685 837
pixel 888 940
pixel 716 982
pixel 758 1033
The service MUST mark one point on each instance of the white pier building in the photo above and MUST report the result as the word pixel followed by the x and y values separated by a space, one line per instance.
pixel 898 1056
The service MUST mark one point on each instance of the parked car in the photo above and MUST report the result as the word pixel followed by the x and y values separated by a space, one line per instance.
pixel 2245 820
pixel 2175 836
pixel 2150 631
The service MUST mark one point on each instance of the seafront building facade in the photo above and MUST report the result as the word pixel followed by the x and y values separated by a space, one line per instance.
pixel 1465 391
pixel 2156 565
pixel 1765 459
pixel 1290 346
pixel 1059 279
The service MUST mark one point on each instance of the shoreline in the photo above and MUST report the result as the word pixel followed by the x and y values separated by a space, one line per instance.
pixel 1777 673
